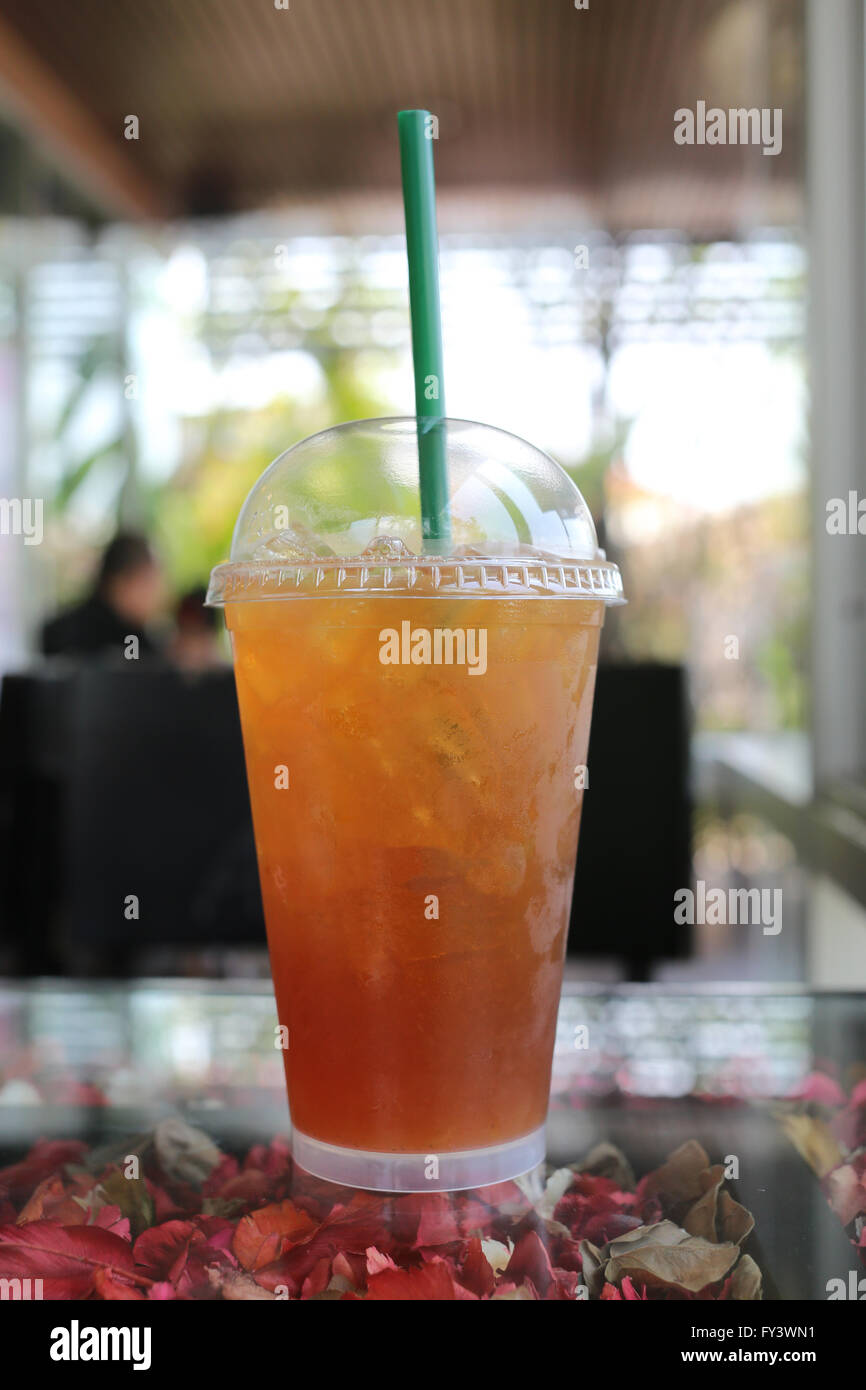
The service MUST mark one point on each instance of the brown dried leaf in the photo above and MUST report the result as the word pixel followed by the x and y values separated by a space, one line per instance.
pixel 661 1233
pixel 607 1161
pixel 689 1266
pixel 235 1286
pixel 229 1207
pixel 746 1280
pixel 733 1221
pixel 556 1230
pixel 185 1154
pixel 133 1199
pixel 592 1262
pixel 814 1142
pixel 700 1219
pixel 679 1180
pixel 113 1154
pixel 339 1285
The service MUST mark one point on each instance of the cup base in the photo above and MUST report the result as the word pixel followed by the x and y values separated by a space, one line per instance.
pixel 416 1172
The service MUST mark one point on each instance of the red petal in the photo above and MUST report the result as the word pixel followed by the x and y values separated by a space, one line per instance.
pixel 352 1228
pixel 849 1126
pixel 351 1267
pixel 630 1292
pixel 601 1229
pixel 475 1218
pixel 273 1159
pixel 51 1202
pixel 376 1261
pixel 64 1257
pixel 46 1156
pixel 568 1255
pixel 113 1289
pixel 476 1272
pixel 438 1220
pixel 226 1169
pixel 565 1284
pixel 403 1219
pixel 165 1208
pixel 431 1283
pixel 530 1261
pixel 318 1278
pixel 250 1186
pixel 111 1218
pixel 261 1237
pixel 158 1249
pixel 217 1231
pixel 161 1290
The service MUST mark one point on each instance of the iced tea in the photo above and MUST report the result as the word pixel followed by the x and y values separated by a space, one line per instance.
pixel 416 825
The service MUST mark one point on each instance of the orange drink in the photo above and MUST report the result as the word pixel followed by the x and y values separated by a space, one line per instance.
pixel 416 857
pixel 416 731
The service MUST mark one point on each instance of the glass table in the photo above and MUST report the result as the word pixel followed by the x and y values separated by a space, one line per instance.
pixel 758 1077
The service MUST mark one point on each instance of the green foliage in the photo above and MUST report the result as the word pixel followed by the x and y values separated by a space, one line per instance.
pixel 590 473
pixel 100 359
pixel 191 516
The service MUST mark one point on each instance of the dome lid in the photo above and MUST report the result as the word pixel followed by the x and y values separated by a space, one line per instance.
pixel 341 511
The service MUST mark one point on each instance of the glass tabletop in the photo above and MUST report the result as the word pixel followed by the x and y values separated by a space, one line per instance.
pixel 761 1092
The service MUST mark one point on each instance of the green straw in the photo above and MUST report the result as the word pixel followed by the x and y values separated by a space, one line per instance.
pixel 419 200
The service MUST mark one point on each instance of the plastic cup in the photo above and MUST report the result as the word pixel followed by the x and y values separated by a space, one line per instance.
pixel 415 729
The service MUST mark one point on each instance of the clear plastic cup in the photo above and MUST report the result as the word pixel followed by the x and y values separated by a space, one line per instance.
pixel 415 723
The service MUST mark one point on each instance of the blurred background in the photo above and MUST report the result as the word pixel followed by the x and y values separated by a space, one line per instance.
pixel 202 261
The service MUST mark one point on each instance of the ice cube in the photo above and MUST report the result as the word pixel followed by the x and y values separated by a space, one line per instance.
pixel 294 545
pixel 387 549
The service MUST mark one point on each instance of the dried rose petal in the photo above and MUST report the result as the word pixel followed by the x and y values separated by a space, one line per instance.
pixel 530 1261
pixel 43 1160
pixel 65 1258
pixel 476 1272
pixel 437 1224
pixel 431 1282
pixel 114 1288
pixel 263 1235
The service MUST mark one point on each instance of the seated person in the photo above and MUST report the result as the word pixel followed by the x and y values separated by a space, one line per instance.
pixel 196 642
pixel 126 597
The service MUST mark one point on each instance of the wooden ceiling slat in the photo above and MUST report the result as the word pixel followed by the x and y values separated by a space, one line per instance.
pixel 532 93
pixel 335 52
pixel 479 54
